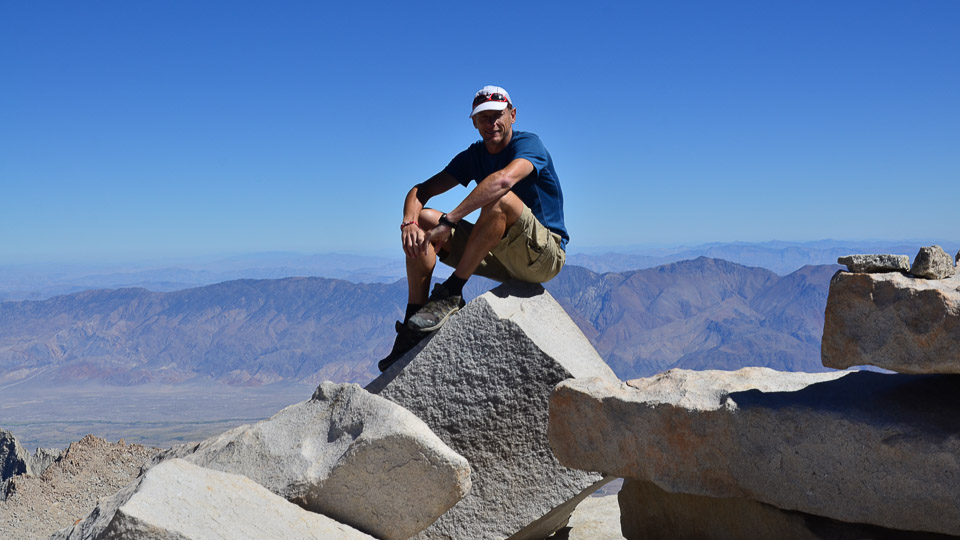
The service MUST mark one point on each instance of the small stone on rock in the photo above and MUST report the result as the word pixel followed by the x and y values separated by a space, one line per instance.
pixel 932 263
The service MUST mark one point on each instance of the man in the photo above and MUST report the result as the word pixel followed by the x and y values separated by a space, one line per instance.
pixel 520 233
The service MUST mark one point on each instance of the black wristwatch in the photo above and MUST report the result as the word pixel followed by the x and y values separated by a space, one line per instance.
pixel 445 221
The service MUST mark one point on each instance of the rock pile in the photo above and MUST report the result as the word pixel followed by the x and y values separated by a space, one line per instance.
pixel 454 446
pixel 758 453
pixel 68 489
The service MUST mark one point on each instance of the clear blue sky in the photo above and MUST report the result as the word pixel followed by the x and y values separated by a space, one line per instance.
pixel 144 129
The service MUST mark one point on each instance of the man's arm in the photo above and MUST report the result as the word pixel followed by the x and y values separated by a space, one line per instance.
pixel 492 188
pixel 412 236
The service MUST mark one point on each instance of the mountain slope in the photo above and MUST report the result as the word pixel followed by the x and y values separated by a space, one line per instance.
pixel 700 314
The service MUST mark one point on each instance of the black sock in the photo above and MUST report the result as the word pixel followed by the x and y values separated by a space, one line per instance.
pixel 411 309
pixel 454 285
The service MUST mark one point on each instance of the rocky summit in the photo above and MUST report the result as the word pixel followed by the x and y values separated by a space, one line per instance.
pixel 893 321
pixel 857 447
pixel 483 383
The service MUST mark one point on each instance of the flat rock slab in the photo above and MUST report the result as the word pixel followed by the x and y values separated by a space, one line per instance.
pixel 875 263
pixel 892 321
pixel 932 262
pixel 859 447
pixel 177 500
pixel 483 384
pixel 649 512
pixel 356 457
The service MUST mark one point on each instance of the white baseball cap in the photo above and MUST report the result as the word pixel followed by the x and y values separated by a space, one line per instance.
pixel 490 98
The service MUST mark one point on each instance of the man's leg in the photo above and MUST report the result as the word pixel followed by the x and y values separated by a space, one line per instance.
pixel 420 268
pixel 419 273
pixel 492 224
pixel 447 297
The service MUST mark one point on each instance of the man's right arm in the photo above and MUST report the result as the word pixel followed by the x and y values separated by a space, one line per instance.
pixel 416 199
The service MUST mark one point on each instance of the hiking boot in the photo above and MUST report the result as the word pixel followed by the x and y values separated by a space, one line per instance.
pixel 437 310
pixel 406 340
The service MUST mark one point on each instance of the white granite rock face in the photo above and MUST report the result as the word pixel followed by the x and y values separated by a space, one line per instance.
pixel 893 321
pixel 176 500
pixel 870 263
pixel 859 447
pixel 348 454
pixel 483 384
pixel 932 262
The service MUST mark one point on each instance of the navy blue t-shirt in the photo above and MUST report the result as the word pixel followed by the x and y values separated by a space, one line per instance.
pixel 540 191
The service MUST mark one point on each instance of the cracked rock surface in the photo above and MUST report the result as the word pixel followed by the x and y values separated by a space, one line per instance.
pixel 892 321
pixel 861 447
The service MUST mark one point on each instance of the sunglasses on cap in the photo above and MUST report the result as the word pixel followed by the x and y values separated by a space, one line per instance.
pixel 483 98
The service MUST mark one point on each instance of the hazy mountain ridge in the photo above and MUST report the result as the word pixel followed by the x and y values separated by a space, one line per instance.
pixel 42 281
pixel 700 313
pixel 240 332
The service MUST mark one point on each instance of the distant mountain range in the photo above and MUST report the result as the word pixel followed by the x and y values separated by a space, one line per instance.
pixel 702 313
pixel 780 257
pixel 42 281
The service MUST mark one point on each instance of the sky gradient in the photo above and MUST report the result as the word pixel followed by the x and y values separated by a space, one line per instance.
pixel 150 129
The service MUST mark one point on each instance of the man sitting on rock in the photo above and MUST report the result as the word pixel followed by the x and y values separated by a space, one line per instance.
pixel 519 234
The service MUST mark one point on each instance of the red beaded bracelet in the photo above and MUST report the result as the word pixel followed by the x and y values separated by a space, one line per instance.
pixel 402 225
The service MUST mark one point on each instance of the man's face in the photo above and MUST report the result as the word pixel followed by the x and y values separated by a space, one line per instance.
pixel 495 127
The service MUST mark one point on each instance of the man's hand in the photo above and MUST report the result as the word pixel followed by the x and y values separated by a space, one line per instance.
pixel 436 236
pixel 410 237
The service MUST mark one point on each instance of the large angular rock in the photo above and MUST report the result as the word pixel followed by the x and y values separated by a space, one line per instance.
pixel 864 447
pixel 356 457
pixel 483 384
pixel 872 263
pixel 176 500
pixel 896 322
pixel 932 262
pixel 14 459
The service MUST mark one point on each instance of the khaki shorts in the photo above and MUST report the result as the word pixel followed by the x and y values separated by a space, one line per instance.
pixel 529 252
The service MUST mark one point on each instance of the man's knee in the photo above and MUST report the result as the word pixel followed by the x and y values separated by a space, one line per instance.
pixel 509 206
pixel 428 218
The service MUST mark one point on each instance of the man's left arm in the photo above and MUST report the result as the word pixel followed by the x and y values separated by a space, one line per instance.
pixel 492 188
